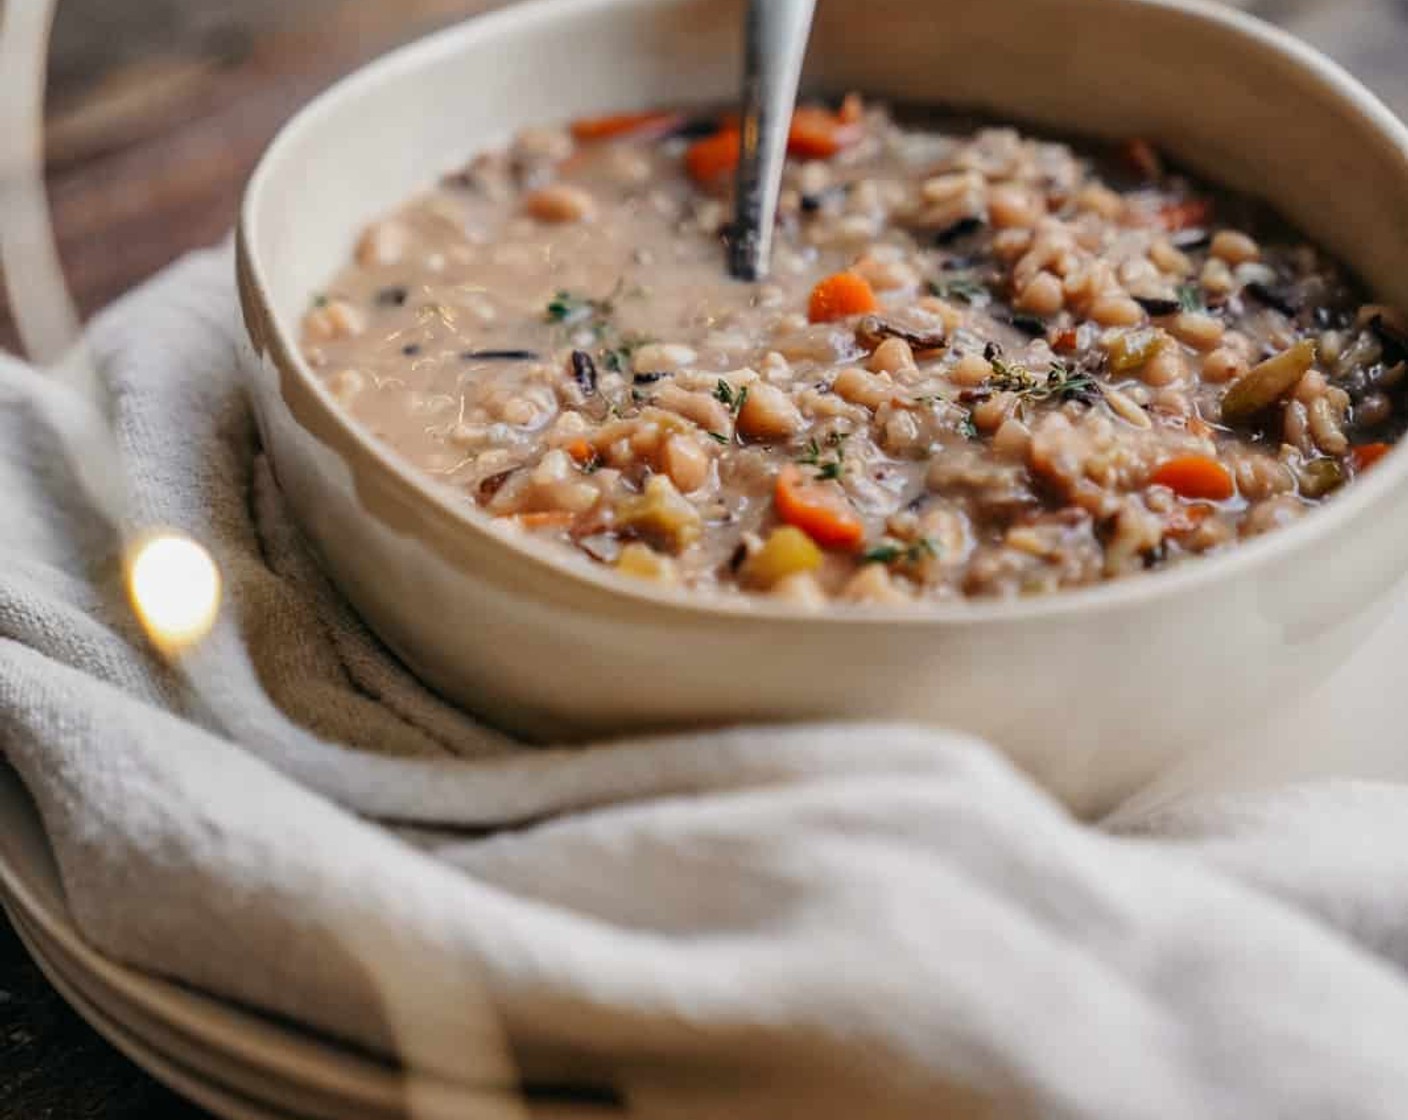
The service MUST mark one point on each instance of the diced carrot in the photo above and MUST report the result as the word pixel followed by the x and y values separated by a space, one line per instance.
pixel 815 133
pixel 1065 340
pixel 581 450
pixel 546 519
pixel 613 125
pixel 851 112
pixel 1191 213
pixel 1195 476
pixel 819 509
pixel 840 295
pixel 1142 158
pixel 713 157
pixel 1366 455
pixel 818 133
pixel 1188 517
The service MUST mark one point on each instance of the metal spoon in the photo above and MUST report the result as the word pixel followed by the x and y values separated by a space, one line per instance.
pixel 775 42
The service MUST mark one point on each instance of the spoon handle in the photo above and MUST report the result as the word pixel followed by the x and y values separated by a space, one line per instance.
pixel 775 42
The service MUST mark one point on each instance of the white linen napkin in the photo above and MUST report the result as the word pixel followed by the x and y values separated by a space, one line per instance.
pixel 826 921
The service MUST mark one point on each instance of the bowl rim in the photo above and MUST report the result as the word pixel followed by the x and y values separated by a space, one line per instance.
pixel 1333 80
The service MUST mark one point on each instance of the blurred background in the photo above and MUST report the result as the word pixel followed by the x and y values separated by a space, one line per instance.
pixel 157 111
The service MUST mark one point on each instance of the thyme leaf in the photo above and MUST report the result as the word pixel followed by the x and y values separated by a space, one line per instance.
pixel 896 552
pixel 966 288
pixel 732 399
pixel 881 554
pixel 1059 383
pixel 1190 298
pixel 570 310
pixel 830 468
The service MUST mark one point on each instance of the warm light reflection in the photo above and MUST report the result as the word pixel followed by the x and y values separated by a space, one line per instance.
pixel 175 590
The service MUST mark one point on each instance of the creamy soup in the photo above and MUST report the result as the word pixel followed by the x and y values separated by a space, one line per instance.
pixel 984 363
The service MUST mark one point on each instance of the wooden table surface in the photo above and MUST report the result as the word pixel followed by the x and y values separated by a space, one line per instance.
pixel 158 110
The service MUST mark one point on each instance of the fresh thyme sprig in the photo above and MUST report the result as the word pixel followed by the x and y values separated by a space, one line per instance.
pixel 731 398
pixel 1059 383
pixel 827 469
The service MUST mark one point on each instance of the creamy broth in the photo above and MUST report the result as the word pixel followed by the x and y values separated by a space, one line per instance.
pixel 983 364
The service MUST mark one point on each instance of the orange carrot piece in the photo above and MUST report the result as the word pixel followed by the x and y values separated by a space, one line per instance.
pixel 581 451
pixel 546 519
pixel 815 133
pixel 1196 476
pixel 713 157
pixel 1366 455
pixel 614 125
pixel 839 296
pixel 1186 518
pixel 818 133
pixel 819 509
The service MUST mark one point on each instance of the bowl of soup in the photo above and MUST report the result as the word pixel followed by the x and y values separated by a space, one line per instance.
pixel 1065 415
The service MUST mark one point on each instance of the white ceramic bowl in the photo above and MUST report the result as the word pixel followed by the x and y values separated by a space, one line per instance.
pixel 1093 691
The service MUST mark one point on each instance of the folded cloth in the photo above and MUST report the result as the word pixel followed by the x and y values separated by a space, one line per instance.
pixel 877 921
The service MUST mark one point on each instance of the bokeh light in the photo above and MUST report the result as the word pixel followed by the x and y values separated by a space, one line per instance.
pixel 174 586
